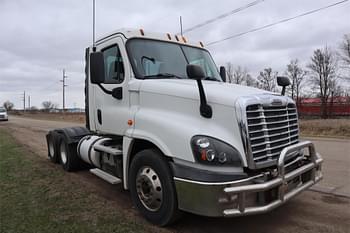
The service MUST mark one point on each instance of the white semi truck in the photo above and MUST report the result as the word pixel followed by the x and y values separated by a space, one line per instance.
pixel 162 121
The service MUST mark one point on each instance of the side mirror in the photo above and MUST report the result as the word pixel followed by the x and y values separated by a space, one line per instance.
pixel 97 68
pixel 283 82
pixel 196 72
pixel 223 73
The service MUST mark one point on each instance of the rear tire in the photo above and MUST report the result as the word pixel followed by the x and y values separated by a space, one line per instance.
pixel 68 156
pixel 152 187
pixel 52 150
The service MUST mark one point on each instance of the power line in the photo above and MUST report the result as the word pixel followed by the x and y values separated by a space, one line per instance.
pixel 223 16
pixel 275 23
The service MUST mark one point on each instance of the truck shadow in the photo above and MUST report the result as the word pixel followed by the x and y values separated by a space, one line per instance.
pixel 257 223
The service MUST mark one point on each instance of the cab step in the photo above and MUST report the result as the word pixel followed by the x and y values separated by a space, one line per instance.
pixel 105 176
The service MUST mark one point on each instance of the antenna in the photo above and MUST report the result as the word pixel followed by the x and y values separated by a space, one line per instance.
pixel 181 25
pixel 93 25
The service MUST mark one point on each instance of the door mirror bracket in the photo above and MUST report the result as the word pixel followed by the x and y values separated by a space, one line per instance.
pixel 196 72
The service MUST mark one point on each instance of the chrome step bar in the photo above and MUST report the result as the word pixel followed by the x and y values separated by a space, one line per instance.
pixel 105 176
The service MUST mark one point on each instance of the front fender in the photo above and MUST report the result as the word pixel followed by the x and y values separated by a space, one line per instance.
pixel 171 131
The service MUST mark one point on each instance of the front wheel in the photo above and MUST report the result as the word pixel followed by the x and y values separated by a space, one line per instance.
pixel 152 187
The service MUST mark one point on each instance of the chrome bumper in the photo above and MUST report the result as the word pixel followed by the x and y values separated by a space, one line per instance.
pixel 252 195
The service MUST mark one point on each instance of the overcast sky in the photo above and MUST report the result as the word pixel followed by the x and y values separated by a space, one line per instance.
pixel 41 37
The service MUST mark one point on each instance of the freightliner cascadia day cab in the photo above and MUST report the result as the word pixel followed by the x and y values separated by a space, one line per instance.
pixel 162 121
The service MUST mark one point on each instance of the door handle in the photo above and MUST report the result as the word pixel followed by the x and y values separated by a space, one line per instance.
pixel 99 116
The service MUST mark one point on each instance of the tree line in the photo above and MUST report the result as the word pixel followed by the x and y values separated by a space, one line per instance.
pixel 325 75
pixel 47 106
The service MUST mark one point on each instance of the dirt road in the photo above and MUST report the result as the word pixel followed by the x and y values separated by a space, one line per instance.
pixel 326 209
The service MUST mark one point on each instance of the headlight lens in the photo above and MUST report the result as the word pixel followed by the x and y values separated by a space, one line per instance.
pixel 211 151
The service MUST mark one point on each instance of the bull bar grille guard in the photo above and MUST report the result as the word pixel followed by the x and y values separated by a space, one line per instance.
pixel 280 182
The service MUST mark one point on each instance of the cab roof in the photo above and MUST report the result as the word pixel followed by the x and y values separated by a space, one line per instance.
pixel 129 33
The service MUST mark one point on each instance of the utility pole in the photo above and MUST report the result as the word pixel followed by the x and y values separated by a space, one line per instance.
pixel 29 102
pixel 24 101
pixel 63 89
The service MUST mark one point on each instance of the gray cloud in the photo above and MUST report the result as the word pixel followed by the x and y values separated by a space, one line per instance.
pixel 40 37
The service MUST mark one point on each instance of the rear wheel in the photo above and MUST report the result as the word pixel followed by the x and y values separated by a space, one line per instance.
pixel 52 151
pixel 152 187
pixel 68 155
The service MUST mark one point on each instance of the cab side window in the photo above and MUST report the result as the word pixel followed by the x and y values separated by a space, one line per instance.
pixel 114 67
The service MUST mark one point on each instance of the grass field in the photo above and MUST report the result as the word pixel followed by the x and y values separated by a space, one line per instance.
pixel 35 197
pixel 325 128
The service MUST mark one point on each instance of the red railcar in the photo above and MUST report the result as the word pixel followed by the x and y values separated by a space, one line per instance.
pixel 336 106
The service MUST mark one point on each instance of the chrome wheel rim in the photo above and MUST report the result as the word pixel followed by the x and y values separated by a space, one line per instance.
pixel 149 188
pixel 63 153
pixel 51 148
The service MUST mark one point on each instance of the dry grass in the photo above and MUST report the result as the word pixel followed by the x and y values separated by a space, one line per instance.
pixel 326 127
pixel 70 117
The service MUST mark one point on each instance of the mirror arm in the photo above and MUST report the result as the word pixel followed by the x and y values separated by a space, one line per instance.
pixel 205 109
pixel 283 90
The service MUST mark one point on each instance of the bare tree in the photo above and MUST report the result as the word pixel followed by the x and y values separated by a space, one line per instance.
pixel 345 50
pixel 267 79
pixel 344 55
pixel 250 81
pixel 33 109
pixel 229 71
pixel 297 75
pixel 239 75
pixel 323 75
pixel 48 105
pixel 8 105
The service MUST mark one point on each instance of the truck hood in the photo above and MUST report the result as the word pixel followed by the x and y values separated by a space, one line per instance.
pixel 216 92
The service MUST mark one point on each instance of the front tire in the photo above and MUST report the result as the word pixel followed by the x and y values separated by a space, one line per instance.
pixel 152 187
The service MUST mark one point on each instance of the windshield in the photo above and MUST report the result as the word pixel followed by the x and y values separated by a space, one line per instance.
pixel 151 58
pixel 2 110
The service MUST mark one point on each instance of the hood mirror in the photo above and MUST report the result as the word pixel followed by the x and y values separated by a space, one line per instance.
pixel 223 73
pixel 196 72
pixel 283 82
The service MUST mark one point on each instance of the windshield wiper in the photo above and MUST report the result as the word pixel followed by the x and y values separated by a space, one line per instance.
pixel 162 75
pixel 211 79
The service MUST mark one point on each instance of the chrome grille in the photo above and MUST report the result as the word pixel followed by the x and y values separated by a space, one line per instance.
pixel 270 129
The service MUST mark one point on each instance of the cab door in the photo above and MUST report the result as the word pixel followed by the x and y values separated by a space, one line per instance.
pixel 112 111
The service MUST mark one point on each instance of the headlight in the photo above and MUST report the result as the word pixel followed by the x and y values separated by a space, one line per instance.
pixel 211 151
